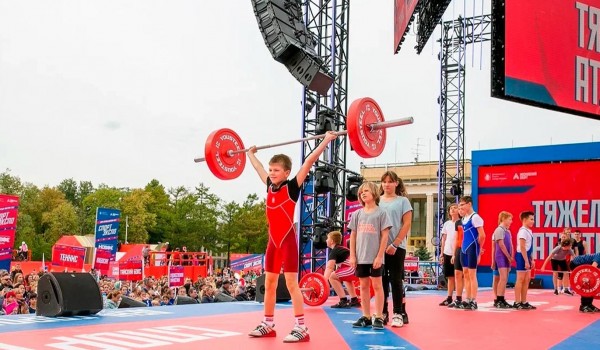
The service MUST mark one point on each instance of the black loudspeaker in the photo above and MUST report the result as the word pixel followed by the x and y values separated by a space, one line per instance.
pixel 127 302
pixel 536 283
pixel 224 297
pixel 183 300
pixel 68 294
pixel 282 292
pixel 281 24
pixel 309 71
pixel 282 27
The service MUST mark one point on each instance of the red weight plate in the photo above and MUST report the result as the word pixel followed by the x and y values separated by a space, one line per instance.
pixel 221 164
pixel 585 280
pixel 356 284
pixel 315 289
pixel 366 143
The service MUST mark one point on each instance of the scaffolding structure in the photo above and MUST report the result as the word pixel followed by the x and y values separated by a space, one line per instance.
pixel 456 35
pixel 328 20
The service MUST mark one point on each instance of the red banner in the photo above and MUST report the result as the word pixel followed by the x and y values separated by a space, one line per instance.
pixel 552 54
pixel 130 270
pixel 560 194
pixel 411 263
pixel 68 256
pixel 403 16
pixel 102 261
pixel 9 208
pixel 176 276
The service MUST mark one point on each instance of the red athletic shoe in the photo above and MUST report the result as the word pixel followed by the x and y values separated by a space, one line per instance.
pixel 263 331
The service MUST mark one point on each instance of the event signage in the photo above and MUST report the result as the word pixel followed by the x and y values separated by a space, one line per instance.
pixel 9 210
pixel 131 270
pixel 102 261
pixel 403 16
pixel 107 229
pixel 247 262
pixel 68 256
pixel 547 53
pixel 176 276
pixel 561 195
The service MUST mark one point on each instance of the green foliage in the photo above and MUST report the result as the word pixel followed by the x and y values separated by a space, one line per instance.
pixel 160 206
pixel 10 184
pixel 196 218
pixel 138 217
pixel 423 253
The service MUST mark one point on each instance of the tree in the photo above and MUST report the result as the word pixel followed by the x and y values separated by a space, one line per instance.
pixel 69 188
pixel 423 253
pixel 10 184
pixel 60 221
pixel 254 233
pixel 135 208
pixel 160 206
pixel 231 226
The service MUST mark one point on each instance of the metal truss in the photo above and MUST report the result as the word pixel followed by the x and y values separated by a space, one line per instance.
pixel 328 20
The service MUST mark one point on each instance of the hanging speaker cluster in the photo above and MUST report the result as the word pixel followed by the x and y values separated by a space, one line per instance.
pixel 291 43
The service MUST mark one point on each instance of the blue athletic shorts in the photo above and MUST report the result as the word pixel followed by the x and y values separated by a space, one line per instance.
pixel 521 262
pixel 469 258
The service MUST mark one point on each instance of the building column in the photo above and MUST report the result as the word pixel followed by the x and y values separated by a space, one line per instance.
pixel 429 229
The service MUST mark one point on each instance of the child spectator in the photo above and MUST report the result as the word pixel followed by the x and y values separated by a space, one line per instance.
pixel 524 261
pixel 369 227
pixel 344 273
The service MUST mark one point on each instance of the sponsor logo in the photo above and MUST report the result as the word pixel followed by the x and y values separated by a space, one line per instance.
pixel 68 258
pixel 107 230
pixel 524 176
pixel 6 220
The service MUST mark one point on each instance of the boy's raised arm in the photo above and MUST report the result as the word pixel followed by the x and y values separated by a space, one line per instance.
pixel 260 169
pixel 312 158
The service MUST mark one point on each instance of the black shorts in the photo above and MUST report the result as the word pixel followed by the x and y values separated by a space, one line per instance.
pixel 457 264
pixel 367 270
pixel 448 266
pixel 559 265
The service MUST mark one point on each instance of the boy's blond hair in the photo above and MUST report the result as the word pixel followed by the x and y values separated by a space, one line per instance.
pixel 374 190
pixel 282 159
pixel 335 236
pixel 503 216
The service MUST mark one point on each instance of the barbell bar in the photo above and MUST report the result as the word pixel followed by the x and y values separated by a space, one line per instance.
pixel 372 127
pixel 224 150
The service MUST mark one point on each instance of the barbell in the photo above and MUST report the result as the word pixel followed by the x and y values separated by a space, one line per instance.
pixel 224 151
pixel 585 281
pixel 315 289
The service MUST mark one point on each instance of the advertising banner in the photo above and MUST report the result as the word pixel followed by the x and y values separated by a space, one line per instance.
pixel 561 195
pixel 130 270
pixel 102 261
pixel 403 15
pixel 551 54
pixel 176 276
pixel 247 263
pixel 9 210
pixel 68 256
pixel 411 263
pixel 107 229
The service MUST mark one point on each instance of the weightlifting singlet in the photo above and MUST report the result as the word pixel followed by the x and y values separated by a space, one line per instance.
pixel 281 204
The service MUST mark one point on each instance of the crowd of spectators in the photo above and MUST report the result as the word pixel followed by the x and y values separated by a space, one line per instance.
pixel 18 293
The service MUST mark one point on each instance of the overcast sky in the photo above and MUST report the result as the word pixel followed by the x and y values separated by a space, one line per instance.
pixel 123 91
